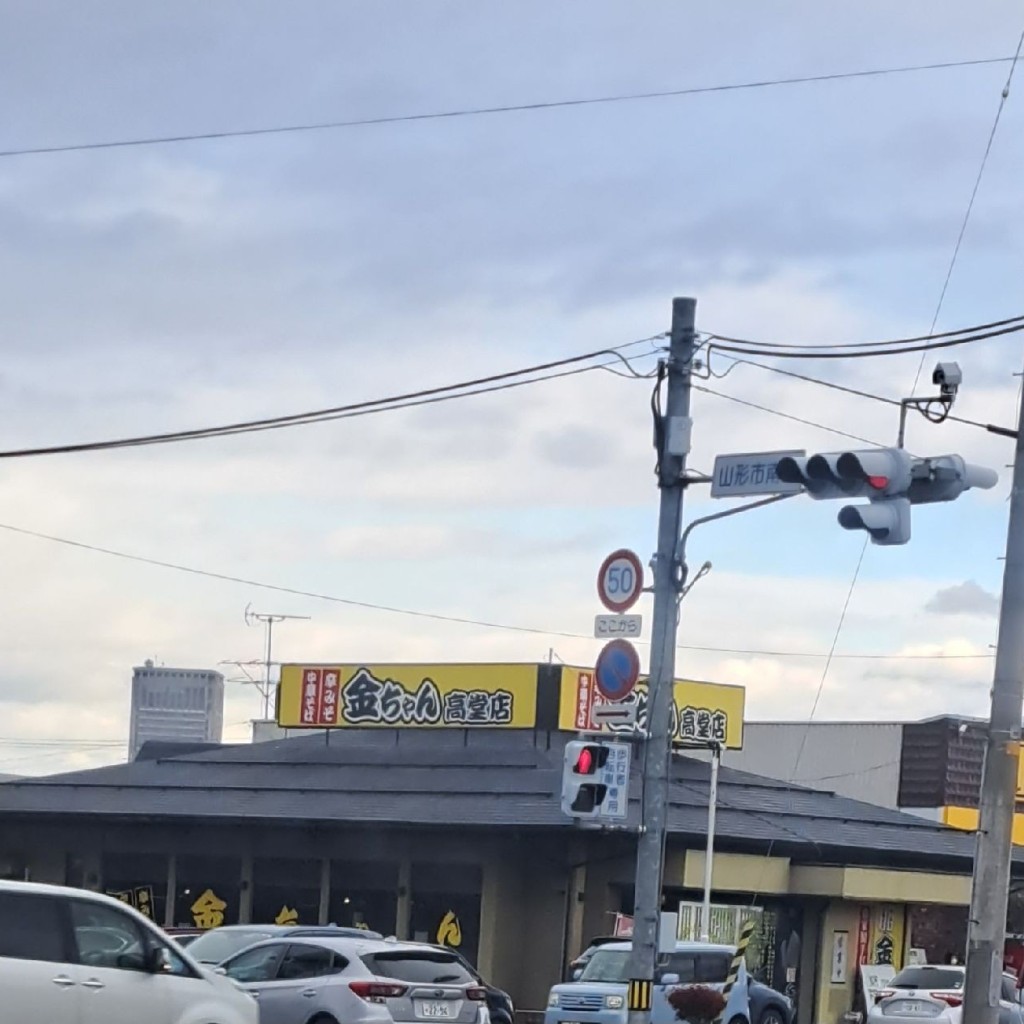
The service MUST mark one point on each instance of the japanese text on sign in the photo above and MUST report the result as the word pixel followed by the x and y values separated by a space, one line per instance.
pixel 700 713
pixel 736 476
pixel 408 695
pixel 615 775
pixel 208 910
pixel 141 898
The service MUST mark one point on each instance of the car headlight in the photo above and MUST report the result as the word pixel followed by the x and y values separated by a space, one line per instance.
pixel 614 1002
pixel 553 999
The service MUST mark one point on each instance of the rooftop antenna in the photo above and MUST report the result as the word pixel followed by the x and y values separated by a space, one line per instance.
pixel 267 619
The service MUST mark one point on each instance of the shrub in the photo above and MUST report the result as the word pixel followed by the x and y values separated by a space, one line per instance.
pixel 697 1004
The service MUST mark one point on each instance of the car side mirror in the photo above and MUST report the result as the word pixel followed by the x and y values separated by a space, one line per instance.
pixel 221 971
pixel 670 979
pixel 159 961
pixel 577 974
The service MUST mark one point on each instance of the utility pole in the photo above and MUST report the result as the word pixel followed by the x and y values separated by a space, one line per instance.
pixel 672 441
pixel 989 893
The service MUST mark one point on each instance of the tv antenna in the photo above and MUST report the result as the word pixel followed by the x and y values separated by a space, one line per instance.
pixel 267 620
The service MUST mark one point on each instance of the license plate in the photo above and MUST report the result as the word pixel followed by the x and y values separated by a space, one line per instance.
pixel 435 1010
pixel 915 1008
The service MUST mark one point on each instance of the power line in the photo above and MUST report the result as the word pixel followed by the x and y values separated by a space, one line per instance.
pixel 456 619
pixel 753 348
pixel 871 344
pixel 1004 96
pixel 831 652
pixel 464 389
pixel 785 415
pixel 158 140
pixel 846 389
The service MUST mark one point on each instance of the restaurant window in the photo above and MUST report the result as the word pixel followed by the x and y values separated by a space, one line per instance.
pixel 208 891
pixel 139 880
pixel 446 906
pixel 364 894
pixel 285 891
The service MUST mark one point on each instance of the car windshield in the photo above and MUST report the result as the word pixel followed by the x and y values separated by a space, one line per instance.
pixel 216 946
pixel 419 968
pixel 607 965
pixel 946 979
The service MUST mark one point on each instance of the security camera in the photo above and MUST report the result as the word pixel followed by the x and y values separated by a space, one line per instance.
pixel 949 377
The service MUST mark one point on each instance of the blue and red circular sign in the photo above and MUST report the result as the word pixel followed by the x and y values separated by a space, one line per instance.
pixel 617 670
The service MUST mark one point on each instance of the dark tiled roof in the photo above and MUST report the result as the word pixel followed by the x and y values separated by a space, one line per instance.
pixel 467 778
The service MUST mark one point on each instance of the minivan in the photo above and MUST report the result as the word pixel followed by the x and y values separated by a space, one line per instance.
pixel 69 956
pixel 599 996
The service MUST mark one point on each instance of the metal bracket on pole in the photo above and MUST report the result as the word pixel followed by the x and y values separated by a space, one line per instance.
pixel 681 548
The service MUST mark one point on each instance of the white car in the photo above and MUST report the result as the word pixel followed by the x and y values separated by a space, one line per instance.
pixel 68 956
pixel 374 981
pixel 935 993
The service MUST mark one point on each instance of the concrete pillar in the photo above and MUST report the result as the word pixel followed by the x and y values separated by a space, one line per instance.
pixel 494 891
pixel 403 907
pixel 575 906
pixel 172 890
pixel 325 891
pixel 245 902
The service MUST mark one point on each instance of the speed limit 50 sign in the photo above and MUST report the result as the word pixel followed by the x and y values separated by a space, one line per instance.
pixel 620 581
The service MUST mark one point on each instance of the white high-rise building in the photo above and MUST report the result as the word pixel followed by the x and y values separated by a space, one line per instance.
pixel 183 705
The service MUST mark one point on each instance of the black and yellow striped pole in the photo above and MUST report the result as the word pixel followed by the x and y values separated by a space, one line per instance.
pixel 746 932
pixel 640 995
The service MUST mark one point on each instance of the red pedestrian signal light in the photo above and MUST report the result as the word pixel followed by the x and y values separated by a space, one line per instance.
pixel 582 792
pixel 589 758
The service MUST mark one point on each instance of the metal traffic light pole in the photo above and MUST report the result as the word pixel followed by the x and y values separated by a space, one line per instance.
pixel 990 891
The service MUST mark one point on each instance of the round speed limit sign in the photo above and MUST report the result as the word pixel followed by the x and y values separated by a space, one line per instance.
pixel 620 581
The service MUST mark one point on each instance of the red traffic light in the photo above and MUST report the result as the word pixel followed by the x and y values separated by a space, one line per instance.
pixel 590 758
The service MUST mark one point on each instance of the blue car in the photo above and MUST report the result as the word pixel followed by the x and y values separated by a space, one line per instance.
pixel 599 996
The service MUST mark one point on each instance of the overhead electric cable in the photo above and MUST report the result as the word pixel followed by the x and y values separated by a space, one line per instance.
pixel 462 389
pixel 441 617
pixel 1003 97
pixel 364 122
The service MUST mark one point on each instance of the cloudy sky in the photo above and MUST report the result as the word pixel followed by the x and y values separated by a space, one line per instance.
pixel 165 287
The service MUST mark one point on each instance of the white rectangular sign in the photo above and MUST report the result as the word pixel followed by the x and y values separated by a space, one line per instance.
pixel 615 775
pixel 607 627
pixel 741 476
pixel 840 956
pixel 613 714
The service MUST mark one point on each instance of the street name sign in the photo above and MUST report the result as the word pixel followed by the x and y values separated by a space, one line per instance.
pixel 745 475
pixel 620 581
pixel 610 627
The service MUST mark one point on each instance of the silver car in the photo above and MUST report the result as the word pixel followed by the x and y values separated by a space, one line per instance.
pixel 356 981
pixel 934 994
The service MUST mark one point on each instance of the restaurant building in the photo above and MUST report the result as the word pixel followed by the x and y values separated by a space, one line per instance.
pixel 425 804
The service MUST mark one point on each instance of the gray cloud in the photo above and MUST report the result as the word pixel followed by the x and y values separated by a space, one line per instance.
pixel 967 598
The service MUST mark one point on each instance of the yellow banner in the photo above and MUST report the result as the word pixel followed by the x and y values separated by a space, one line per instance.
pixel 967 818
pixel 418 696
pixel 702 712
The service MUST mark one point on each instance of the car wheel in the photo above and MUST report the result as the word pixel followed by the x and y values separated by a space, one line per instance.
pixel 738 1019
pixel 772 1015
pixel 323 1018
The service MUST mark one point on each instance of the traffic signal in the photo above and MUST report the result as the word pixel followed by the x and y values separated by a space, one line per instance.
pixel 582 791
pixel 890 478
